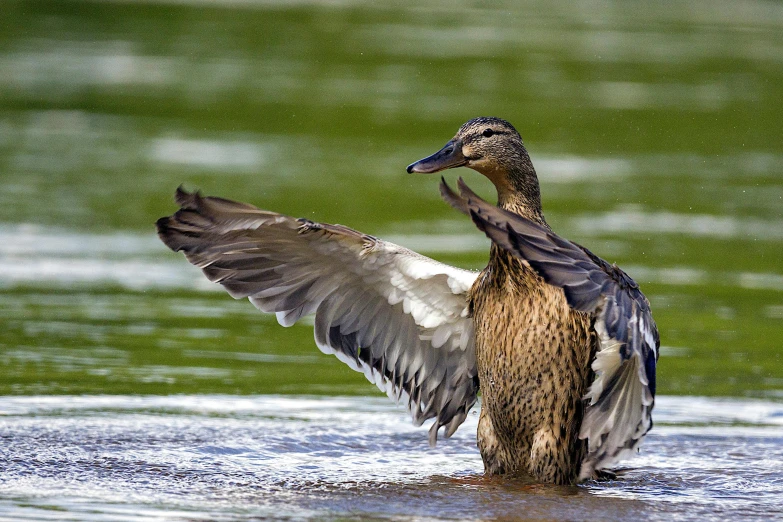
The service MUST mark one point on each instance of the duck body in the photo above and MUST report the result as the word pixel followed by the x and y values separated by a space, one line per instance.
pixel 533 354
pixel 561 344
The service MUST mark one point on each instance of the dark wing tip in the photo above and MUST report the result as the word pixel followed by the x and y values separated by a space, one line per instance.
pixel 464 190
pixel 186 199
pixel 163 226
pixel 169 233
pixel 451 197
pixel 169 227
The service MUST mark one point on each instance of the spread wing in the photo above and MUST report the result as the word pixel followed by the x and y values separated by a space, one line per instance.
pixel 398 317
pixel 621 398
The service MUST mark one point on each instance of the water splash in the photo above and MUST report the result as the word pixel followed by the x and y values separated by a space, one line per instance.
pixel 227 457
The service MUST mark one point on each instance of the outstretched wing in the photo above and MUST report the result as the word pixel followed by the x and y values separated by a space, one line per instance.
pixel 399 317
pixel 621 397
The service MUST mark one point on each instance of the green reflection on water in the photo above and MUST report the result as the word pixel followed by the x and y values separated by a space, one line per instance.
pixel 184 342
pixel 656 132
pixel 153 343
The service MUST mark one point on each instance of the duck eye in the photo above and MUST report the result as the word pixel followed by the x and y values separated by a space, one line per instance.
pixel 487 133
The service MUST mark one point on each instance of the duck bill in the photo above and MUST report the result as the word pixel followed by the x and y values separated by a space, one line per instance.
pixel 448 157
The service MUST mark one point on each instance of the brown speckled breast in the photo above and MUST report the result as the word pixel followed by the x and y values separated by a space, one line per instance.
pixel 534 356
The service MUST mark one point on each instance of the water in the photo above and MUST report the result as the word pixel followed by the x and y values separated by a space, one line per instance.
pixel 132 388
pixel 218 457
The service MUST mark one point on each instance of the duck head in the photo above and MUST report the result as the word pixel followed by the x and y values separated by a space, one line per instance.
pixel 494 148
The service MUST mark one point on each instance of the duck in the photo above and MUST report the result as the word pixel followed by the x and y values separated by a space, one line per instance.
pixel 560 343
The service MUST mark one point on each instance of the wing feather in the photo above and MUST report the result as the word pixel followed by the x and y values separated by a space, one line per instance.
pixel 621 398
pixel 397 316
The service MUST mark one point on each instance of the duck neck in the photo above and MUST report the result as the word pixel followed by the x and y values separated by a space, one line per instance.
pixel 519 193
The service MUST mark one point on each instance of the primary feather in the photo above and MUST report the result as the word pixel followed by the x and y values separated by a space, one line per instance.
pixel 398 317
pixel 622 395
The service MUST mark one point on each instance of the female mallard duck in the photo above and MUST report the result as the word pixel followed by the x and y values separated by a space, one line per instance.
pixel 562 344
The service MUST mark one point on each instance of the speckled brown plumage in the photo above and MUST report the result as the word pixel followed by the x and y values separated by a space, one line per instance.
pixel 533 354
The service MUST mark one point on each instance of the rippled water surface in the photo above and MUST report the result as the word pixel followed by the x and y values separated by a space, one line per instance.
pixel 132 388
pixel 207 457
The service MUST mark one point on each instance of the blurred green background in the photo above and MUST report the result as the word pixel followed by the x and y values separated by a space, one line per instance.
pixel 655 130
